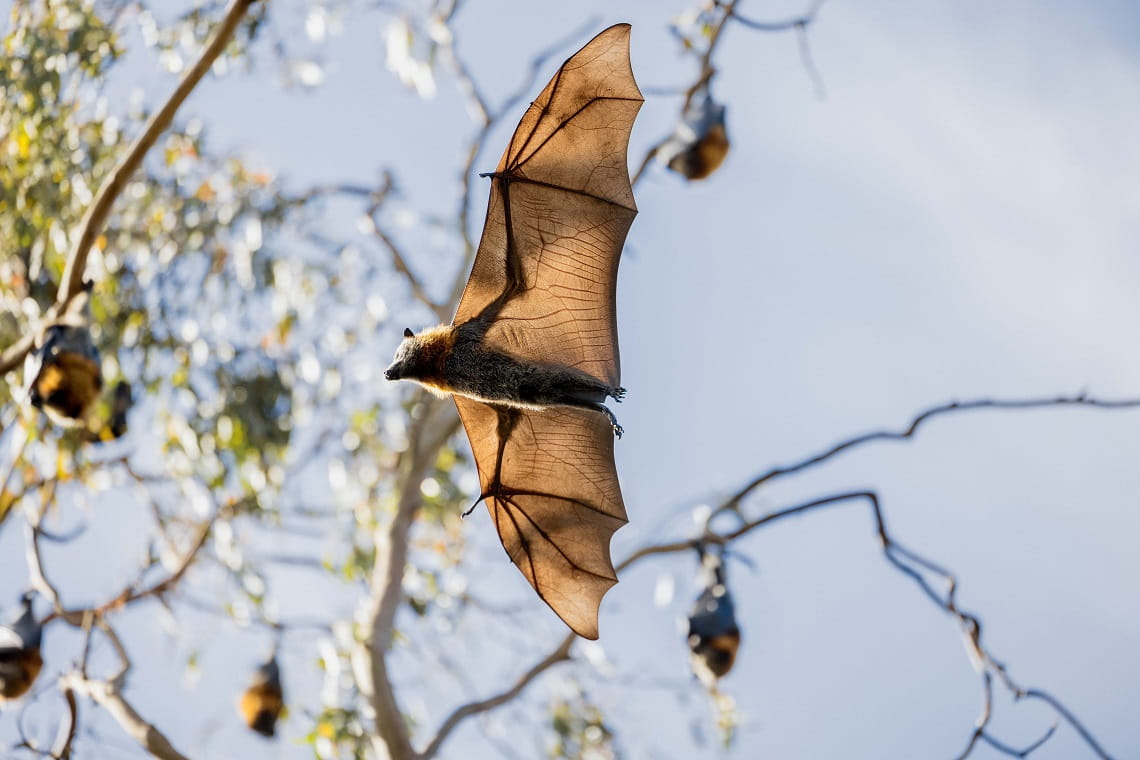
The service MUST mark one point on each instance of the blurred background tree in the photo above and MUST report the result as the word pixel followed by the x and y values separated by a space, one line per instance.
pixel 270 495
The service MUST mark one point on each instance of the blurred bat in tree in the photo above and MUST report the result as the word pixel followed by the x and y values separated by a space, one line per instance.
pixel 714 635
pixel 700 143
pixel 120 404
pixel 62 372
pixel 20 660
pixel 261 704
pixel 532 353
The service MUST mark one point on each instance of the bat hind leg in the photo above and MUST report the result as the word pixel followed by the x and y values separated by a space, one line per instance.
pixel 587 393
pixel 618 429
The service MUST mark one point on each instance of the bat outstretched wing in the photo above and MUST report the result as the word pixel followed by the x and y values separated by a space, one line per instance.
pixel 561 204
pixel 549 482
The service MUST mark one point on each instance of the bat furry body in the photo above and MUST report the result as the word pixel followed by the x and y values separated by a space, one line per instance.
pixel 261 704
pixel 20 658
pixel 700 144
pixel 67 379
pixel 714 636
pixel 532 354
pixel 454 359
pixel 62 372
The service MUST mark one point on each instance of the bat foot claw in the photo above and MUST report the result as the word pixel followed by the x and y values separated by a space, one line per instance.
pixel 617 394
pixel 618 430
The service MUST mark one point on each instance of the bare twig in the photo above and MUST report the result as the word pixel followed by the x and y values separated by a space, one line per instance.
pixel 910 563
pixel 61 748
pixel 109 696
pixel 796 22
pixel 399 260
pixel 705 72
pixel 16 352
pixel 1024 752
pixel 561 653
pixel 918 421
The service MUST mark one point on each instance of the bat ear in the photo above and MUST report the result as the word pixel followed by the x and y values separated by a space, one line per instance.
pixel 408 333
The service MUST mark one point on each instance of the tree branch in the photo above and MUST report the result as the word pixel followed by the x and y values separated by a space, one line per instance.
pixel 797 22
pixel 561 653
pixel 93 221
pixel 71 284
pixel 918 421
pixel 914 566
pixel 705 72
pixel 428 433
pixel 61 748
pixel 107 695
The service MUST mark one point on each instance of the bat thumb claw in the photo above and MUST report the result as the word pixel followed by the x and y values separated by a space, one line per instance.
pixel 470 509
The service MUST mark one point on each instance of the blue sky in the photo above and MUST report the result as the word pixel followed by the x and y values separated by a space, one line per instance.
pixel 956 218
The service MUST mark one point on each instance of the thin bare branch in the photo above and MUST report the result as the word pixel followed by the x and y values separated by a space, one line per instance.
pixel 16 352
pixel 77 617
pixel 400 262
pixel 1027 750
pixel 61 748
pixel 918 421
pixel 797 22
pixel 914 566
pixel 109 696
pixel 72 282
pixel 705 72
pixel 1069 717
pixel 808 62
pixel 561 653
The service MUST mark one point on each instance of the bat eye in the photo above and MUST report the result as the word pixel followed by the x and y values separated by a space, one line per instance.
pixel 408 333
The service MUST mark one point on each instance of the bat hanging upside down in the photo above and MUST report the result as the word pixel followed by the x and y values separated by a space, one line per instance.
pixel 714 636
pixel 532 353
pixel 62 373
pixel 261 704
pixel 20 659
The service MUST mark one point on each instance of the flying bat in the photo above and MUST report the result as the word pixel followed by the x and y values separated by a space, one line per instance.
pixel 531 354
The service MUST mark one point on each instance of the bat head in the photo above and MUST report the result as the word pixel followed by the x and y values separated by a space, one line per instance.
pixel 420 357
